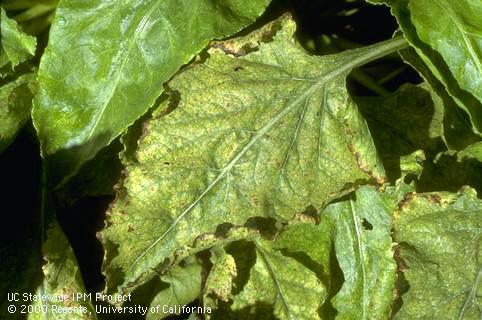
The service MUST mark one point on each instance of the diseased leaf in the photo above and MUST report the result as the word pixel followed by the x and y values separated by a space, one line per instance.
pixel 15 46
pixel 293 291
pixel 219 282
pixel 264 134
pixel 61 278
pixel 363 247
pixel 453 52
pixel 106 63
pixel 184 287
pixel 15 105
pixel 439 236
pixel 310 241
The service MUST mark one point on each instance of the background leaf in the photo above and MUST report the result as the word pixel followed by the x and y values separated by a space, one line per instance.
pixel 439 236
pixel 184 287
pixel 15 46
pixel 293 291
pixel 106 63
pixel 453 53
pixel 15 105
pixel 61 277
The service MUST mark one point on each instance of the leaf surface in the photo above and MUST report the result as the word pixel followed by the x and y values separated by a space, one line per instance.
pixel 106 63
pixel 439 236
pixel 453 52
pixel 264 134
pixel 450 122
pixel 474 151
pixel 184 287
pixel 15 105
pixel 219 282
pixel 293 291
pixel 363 247
pixel 15 46
pixel 61 278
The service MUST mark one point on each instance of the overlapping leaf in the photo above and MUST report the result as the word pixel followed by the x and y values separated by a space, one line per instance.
pixel 451 123
pixel 363 247
pixel 184 287
pixel 453 52
pixel 264 134
pixel 61 281
pixel 403 122
pixel 15 105
pixel 439 236
pixel 285 285
pixel 106 63
pixel 15 46
pixel 474 151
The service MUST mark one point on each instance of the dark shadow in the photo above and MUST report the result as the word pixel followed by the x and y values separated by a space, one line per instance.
pixel 20 239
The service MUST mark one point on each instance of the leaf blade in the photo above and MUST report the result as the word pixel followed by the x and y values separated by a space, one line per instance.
pixel 110 52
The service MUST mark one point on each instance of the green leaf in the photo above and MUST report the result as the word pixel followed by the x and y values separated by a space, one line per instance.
pixel 259 134
pixel 293 291
pixel 310 240
pixel 61 278
pixel 184 287
pixel 106 63
pixel 15 46
pixel 363 247
pixel 402 123
pixel 450 122
pixel 448 172
pixel 15 105
pixel 474 151
pixel 452 52
pixel 439 236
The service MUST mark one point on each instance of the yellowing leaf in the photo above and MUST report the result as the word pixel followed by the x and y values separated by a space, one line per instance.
pixel 293 291
pixel 440 252
pixel 264 134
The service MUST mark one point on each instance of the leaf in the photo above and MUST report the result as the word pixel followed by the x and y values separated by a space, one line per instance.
pixel 184 287
pixel 310 240
pixel 453 52
pixel 219 282
pixel 450 122
pixel 265 134
pixel 97 177
pixel 61 280
pixel 363 247
pixel 15 105
pixel 15 46
pixel 439 236
pixel 449 173
pixel 106 63
pixel 293 291
pixel 474 151
pixel 402 123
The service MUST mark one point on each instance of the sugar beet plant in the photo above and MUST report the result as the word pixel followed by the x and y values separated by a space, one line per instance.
pixel 255 170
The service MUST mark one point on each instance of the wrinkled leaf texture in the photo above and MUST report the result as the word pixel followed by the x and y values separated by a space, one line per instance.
pixel 15 46
pixel 106 63
pixel 259 134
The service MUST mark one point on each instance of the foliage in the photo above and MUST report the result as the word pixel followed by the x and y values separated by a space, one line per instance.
pixel 236 164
